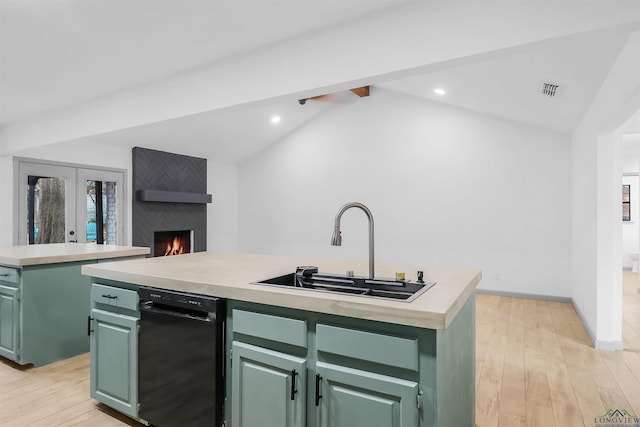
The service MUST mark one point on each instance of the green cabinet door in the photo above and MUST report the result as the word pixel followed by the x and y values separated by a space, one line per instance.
pixel 114 360
pixel 9 322
pixel 355 398
pixel 268 388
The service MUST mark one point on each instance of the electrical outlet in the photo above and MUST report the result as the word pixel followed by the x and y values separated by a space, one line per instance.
pixel 497 277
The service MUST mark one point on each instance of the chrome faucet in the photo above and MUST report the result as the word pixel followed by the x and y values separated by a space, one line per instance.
pixel 336 239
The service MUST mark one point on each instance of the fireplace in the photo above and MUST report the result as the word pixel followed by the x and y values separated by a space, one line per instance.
pixel 169 193
pixel 166 243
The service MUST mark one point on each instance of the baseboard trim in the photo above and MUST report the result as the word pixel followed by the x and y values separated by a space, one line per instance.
pixel 609 345
pixel 524 295
pixel 597 344
pixel 592 336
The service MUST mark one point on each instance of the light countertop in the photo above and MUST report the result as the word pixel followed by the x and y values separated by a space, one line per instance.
pixel 230 275
pixel 24 255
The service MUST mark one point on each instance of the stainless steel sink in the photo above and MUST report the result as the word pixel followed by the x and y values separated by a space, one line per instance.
pixel 402 290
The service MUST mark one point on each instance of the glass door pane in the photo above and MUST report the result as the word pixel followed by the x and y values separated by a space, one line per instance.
pixel 47 204
pixel 100 206
pixel 45 210
pixel 101 218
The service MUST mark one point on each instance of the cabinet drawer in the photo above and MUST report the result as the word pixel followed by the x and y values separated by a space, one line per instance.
pixel 117 297
pixel 270 327
pixel 372 347
pixel 9 275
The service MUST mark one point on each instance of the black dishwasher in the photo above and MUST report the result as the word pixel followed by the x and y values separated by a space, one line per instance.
pixel 180 358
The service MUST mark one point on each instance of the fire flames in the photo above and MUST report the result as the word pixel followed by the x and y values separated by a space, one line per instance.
pixel 175 248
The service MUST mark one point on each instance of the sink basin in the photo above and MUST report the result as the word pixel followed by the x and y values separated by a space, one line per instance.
pixel 402 290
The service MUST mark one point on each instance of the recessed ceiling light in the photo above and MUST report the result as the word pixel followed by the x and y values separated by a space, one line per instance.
pixel 275 119
pixel 439 91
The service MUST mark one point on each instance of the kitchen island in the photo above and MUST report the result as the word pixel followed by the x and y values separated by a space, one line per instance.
pixel 298 357
pixel 44 298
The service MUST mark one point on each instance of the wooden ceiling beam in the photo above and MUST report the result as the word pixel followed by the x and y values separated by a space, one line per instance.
pixel 361 91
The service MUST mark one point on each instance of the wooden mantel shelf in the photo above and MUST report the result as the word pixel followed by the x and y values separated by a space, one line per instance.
pixel 172 197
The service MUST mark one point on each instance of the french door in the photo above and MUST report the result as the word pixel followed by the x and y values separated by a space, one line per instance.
pixel 62 203
pixel 47 203
pixel 100 211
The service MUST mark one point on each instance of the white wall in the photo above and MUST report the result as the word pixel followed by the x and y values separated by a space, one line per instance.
pixel 222 213
pixel 222 223
pixel 446 187
pixel 596 178
pixel 6 195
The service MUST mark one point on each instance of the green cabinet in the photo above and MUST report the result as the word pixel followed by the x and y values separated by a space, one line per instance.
pixel 269 387
pixel 9 319
pixel 350 397
pixel 309 370
pixel 113 329
pixel 269 390
pixel 358 372
pixel 43 311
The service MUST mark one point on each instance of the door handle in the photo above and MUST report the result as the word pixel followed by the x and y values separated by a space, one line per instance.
pixel 318 395
pixel 293 384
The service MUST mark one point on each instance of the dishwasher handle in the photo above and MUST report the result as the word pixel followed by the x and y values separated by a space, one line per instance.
pixel 151 307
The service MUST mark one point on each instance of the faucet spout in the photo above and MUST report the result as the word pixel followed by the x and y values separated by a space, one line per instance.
pixel 336 239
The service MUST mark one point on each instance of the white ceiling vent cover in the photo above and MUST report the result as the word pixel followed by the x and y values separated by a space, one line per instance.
pixel 550 89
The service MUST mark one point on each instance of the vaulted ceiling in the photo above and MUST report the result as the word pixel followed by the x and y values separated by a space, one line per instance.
pixel 141 72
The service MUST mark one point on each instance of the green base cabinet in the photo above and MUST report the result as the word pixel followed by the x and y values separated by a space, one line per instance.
pixel 53 313
pixel 270 387
pixel 113 329
pixel 350 397
pixel 9 327
pixel 114 360
pixel 358 373
pixel 44 310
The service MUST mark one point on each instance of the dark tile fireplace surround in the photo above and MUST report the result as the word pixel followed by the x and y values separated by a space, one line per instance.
pixel 169 202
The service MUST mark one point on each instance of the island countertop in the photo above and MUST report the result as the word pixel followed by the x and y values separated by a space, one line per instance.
pixel 24 255
pixel 231 275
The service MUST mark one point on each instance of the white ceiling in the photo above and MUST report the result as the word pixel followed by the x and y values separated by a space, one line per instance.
pixel 229 136
pixel 510 85
pixel 59 53
pixel 56 53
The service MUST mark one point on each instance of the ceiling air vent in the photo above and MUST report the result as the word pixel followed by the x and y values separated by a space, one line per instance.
pixel 550 89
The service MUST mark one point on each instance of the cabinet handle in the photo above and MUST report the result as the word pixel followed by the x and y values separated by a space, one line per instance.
pixel 109 296
pixel 318 395
pixel 89 330
pixel 293 384
pixel 4 275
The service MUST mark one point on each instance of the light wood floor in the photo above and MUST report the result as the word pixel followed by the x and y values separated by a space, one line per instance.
pixel 631 311
pixel 52 395
pixel 534 367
